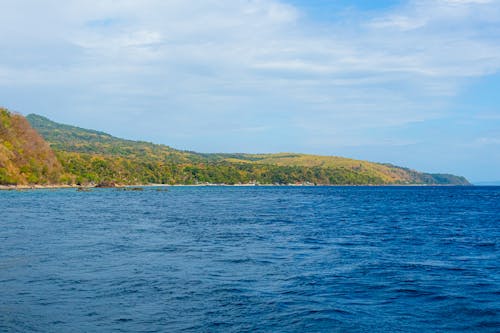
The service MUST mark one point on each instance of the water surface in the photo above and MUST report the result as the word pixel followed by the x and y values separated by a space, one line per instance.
pixel 260 259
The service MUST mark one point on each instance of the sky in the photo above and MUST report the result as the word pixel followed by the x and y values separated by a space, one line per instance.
pixel 415 83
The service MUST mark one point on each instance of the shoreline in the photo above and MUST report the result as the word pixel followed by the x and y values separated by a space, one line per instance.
pixel 118 186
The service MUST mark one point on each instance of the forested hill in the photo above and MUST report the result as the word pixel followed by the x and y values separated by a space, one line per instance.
pixel 25 158
pixel 92 157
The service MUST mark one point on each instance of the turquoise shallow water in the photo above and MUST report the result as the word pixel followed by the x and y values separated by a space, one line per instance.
pixel 260 259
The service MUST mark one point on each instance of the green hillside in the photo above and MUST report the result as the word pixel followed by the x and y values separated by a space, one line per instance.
pixel 92 156
pixel 25 158
pixel 78 140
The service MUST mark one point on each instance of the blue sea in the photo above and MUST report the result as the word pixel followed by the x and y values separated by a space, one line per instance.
pixel 251 259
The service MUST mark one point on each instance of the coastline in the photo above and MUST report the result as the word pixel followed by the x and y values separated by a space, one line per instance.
pixel 36 187
pixel 118 186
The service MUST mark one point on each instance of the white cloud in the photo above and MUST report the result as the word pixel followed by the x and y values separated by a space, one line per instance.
pixel 488 141
pixel 461 2
pixel 258 58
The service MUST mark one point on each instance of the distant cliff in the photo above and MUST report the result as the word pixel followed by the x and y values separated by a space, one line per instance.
pixel 91 157
pixel 25 157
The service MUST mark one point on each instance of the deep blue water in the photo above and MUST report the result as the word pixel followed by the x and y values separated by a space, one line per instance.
pixel 260 259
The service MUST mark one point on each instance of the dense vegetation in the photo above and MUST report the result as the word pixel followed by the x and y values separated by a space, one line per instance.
pixel 89 156
pixel 25 158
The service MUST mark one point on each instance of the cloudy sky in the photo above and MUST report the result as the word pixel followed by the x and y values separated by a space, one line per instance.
pixel 415 83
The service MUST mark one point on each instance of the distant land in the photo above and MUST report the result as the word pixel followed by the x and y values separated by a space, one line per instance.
pixel 36 150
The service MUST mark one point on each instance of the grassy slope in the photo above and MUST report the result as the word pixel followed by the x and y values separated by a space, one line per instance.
pixel 74 139
pixel 94 156
pixel 25 158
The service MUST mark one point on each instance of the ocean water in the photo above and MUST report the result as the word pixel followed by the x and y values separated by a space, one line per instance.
pixel 251 259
